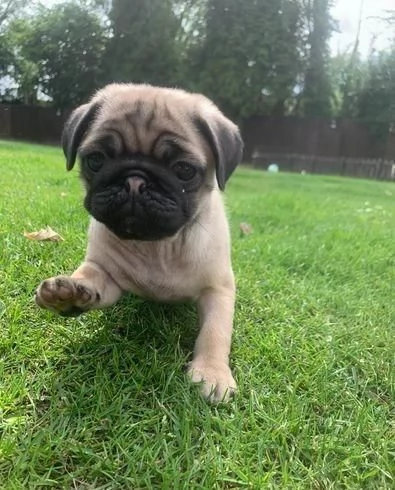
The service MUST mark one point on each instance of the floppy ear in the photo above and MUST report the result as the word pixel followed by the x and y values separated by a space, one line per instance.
pixel 225 143
pixel 75 129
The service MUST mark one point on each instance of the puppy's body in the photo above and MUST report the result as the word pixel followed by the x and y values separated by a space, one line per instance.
pixel 153 162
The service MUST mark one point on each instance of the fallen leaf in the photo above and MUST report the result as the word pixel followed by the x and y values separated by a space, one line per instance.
pixel 245 229
pixel 44 234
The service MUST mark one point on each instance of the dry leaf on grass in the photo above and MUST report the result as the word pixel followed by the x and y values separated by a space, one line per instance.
pixel 245 229
pixel 44 234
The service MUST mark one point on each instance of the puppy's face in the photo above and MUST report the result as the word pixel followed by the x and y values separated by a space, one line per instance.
pixel 150 157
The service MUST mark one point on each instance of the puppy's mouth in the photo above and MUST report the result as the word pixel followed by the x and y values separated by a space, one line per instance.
pixel 138 206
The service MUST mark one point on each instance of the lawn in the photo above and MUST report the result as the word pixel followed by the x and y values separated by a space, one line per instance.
pixel 101 401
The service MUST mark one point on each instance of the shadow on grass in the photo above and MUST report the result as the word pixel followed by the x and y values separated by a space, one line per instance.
pixel 135 351
pixel 112 389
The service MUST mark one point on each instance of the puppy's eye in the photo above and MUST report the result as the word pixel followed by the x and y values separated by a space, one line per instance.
pixel 184 171
pixel 95 161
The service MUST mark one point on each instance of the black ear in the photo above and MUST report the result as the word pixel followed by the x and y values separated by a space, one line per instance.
pixel 225 143
pixel 75 129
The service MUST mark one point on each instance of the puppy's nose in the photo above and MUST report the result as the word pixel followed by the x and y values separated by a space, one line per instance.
pixel 136 184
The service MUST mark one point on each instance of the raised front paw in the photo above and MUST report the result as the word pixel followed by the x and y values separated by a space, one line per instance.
pixel 217 383
pixel 66 296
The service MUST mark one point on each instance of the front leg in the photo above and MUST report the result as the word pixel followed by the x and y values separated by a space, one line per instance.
pixel 210 364
pixel 89 287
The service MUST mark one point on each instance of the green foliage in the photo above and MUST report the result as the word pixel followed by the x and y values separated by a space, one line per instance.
pixel 57 51
pixel 365 90
pixel 251 57
pixel 142 47
pixel 248 59
pixel 191 15
pixel 67 44
pixel 317 91
pixel 13 62
pixel 16 62
pixel 10 9
pixel 5 53
pixel 248 56
pixel 348 74
pixel 376 100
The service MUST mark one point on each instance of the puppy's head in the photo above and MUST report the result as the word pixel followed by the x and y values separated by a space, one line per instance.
pixel 150 157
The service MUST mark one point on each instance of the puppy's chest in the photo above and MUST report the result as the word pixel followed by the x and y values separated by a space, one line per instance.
pixel 161 276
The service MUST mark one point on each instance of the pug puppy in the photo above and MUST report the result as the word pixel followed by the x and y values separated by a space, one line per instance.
pixel 154 162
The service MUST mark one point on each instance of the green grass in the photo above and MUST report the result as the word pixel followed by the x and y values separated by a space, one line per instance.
pixel 101 401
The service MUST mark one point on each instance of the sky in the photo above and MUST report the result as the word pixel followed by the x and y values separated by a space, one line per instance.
pixel 346 13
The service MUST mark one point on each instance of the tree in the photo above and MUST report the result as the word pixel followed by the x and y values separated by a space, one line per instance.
pixel 16 65
pixel 248 59
pixel 348 74
pixel 67 44
pixel 143 45
pixel 10 9
pixel 389 17
pixel 317 92
pixel 376 102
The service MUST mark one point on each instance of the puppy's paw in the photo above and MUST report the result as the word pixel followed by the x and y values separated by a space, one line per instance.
pixel 217 383
pixel 66 296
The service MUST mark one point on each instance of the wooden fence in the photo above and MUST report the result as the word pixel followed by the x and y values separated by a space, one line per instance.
pixel 340 147
pixel 337 138
pixel 31 123
pixel 369 168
